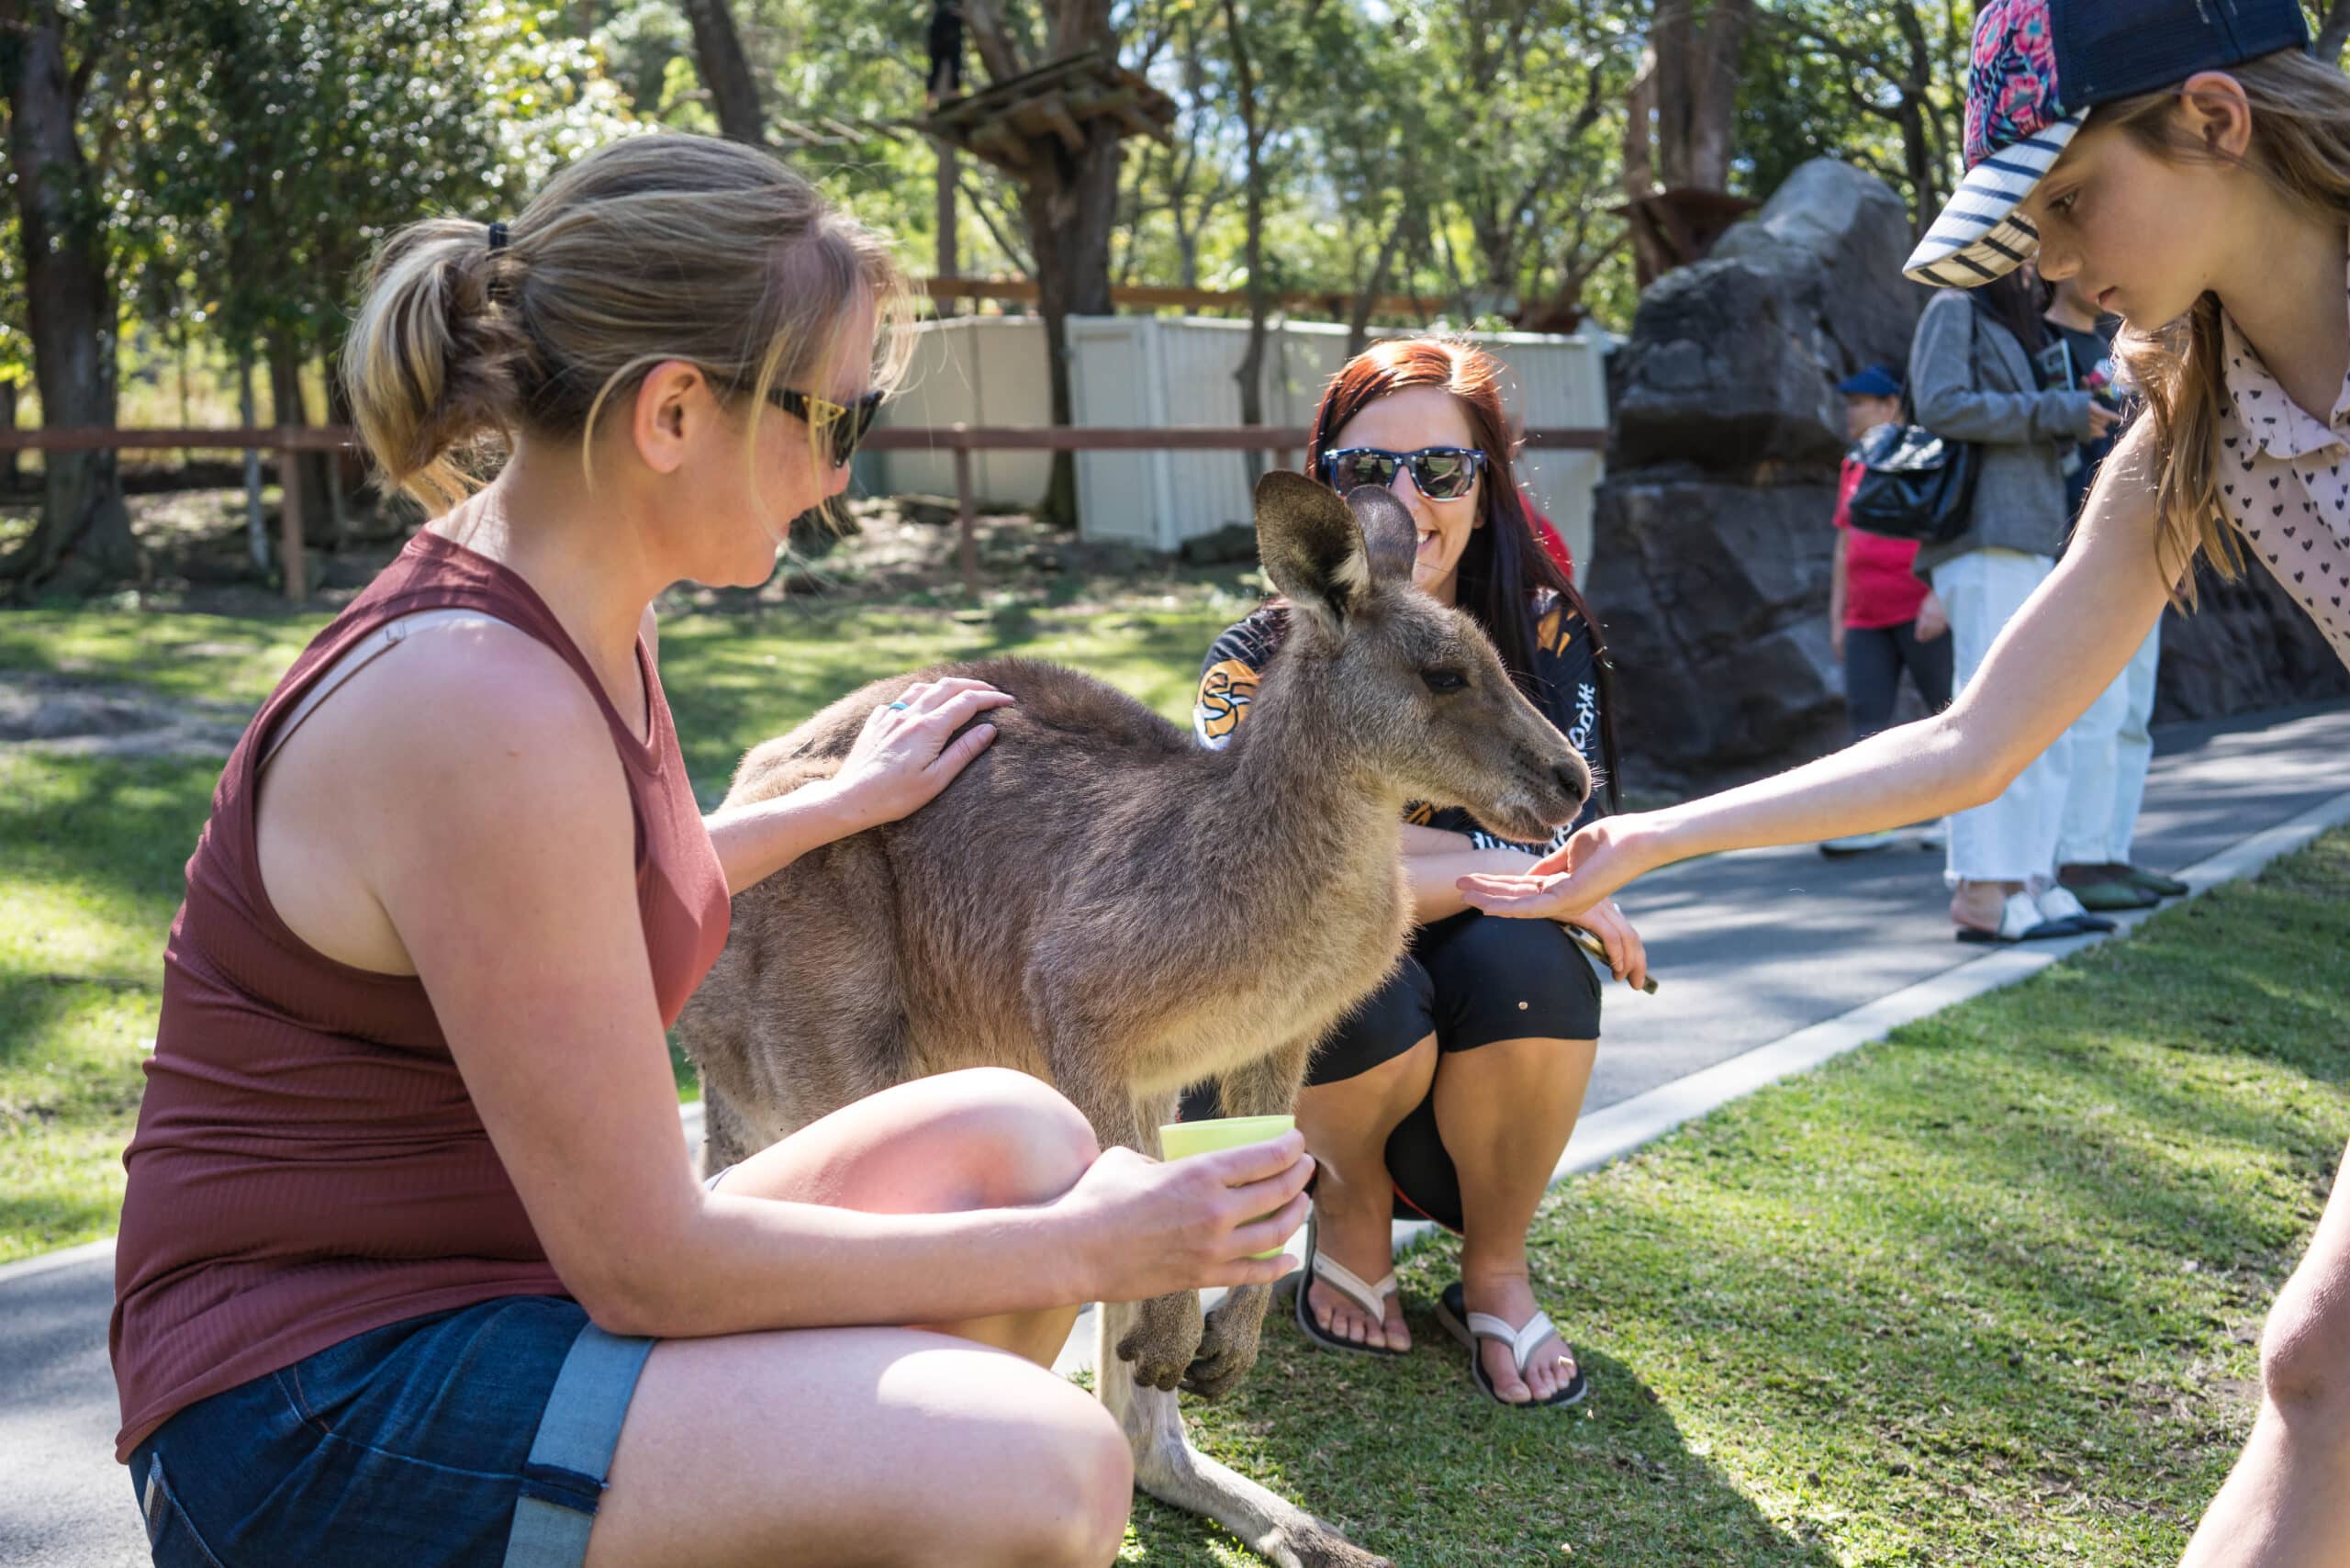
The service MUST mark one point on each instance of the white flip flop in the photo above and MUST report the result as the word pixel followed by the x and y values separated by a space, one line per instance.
pixel 1469 1328
pixel 1368 1294
pixel 2021 920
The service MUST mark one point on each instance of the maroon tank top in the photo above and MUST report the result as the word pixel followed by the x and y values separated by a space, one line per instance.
pixel 308 1164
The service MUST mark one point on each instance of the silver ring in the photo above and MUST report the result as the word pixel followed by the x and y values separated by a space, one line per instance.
pixel 900 704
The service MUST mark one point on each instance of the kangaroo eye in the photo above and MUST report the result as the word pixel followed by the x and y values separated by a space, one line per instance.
pixel 1442 681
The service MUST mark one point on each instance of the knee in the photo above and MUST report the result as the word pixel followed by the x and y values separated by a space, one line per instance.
pixel 1081 1478
pixel 1019 1139
pixel 1100 1478
pixel 2305 1350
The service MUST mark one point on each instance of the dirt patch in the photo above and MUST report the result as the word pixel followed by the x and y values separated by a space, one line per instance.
pixel 57 717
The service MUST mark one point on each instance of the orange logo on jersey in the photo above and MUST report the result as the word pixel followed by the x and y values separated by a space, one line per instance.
pixel 1225 695
pixel 1554 634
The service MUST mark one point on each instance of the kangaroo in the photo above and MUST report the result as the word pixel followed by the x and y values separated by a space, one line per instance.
pixel 1102 903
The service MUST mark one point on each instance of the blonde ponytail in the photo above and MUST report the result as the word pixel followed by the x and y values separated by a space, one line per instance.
pixel 656 248
pixel 431 362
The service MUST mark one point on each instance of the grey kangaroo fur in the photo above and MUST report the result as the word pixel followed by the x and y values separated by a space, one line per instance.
pixel 1102 903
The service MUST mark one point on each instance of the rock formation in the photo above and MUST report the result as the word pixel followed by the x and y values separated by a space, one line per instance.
pixel 1711 541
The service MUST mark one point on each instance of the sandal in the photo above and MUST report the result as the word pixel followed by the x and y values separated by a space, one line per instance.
pixel 1370 1295
pixel 1453 1311
pixel 2154 881
pixel 2020 921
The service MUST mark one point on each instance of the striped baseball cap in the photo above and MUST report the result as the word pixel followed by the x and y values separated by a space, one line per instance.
pixel 2037 68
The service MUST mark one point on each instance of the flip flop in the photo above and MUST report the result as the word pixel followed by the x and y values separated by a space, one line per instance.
pixel 1453 1311
pixel 1370 1295
pixel 2117 894
pixel 2155 882
pixel 2058 904
pixel 2020 921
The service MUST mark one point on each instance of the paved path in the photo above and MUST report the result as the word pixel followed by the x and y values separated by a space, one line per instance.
pixel 1769 959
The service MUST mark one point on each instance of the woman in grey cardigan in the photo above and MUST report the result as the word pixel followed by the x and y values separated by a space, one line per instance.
pixel 1971 378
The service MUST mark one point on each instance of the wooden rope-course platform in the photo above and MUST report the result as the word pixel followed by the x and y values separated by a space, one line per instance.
pixel 1013 123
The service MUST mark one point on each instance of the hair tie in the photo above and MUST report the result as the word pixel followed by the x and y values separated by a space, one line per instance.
pixel 497 238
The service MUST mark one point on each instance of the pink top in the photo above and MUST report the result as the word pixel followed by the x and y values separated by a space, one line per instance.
pixel 1881 587
pixel 308 1164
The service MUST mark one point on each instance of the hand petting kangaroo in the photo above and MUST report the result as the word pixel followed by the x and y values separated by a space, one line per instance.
pixel 1102 903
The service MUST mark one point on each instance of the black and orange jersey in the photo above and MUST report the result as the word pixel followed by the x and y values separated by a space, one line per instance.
pixel 1565 688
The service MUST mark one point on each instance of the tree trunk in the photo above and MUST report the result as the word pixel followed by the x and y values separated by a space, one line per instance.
pixel 256 529
pixel 9 471
pixel 947 260
pixel 1713 98
pixel 83 541
pixel 287 408
pixel 1251 374
pixel 1694 85
pixel 1650 257
pixel 718 53
pixel 1069 203
pixel 2332 36
pixel 1366 299
pixel 1069 213
pixel 1667 70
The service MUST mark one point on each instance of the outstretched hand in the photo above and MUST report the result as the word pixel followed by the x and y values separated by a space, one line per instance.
pixel 1567 884
pixel 902 758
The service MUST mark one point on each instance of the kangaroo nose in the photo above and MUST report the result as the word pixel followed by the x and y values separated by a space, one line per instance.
pixel 1574 778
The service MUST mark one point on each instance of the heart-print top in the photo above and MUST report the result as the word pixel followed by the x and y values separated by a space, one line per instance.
pixel 2285 483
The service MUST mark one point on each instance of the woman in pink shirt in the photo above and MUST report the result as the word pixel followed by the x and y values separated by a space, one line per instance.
pixel 1882 618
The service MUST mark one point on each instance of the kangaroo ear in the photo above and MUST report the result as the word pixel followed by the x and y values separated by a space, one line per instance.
pixel 1389 534
pixel 1311 545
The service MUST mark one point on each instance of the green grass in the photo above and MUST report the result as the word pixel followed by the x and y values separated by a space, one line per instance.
pixel 231 658
pixel 92 848
pixel 91 854
pixel 1987 1292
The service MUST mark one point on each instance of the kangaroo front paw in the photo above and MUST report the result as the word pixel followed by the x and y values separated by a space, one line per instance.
pixel 1228 1344
pixel 1165 1338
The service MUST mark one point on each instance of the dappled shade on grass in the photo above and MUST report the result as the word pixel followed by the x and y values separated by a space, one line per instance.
pixel 1985 1292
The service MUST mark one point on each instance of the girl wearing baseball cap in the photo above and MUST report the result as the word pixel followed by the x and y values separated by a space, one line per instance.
pixel 2188 164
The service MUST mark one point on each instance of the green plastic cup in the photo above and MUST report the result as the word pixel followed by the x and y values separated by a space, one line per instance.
pixel 1181 1140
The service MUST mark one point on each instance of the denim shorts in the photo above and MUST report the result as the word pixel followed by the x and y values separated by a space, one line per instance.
pixel 443 1441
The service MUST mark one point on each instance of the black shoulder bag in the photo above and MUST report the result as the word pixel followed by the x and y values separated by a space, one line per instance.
pixel 1914 483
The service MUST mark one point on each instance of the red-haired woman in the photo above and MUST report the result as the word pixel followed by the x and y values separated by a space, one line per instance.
pixel 1453 1089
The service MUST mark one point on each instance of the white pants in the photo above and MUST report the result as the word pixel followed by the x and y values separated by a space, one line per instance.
pixel 2111 748
pixel 2013 839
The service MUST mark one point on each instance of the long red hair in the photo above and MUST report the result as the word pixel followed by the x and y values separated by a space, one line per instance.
pixel 1505 566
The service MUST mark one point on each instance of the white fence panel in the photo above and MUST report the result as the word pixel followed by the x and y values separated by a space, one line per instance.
pixel 1156 372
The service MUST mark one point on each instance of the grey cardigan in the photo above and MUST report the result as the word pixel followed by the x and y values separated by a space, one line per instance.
pixel 1970 380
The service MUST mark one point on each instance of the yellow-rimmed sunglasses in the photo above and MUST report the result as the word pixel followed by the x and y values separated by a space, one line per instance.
pixel 843 424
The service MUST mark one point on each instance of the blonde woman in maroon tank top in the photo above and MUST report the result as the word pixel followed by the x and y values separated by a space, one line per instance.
pixel 413 1267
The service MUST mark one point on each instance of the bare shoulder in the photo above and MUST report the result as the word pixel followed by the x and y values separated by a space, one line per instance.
pixel 465 752
pixel 468 716
pixel 467 693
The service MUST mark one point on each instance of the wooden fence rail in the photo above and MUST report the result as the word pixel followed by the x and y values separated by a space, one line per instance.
pixel 962 440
